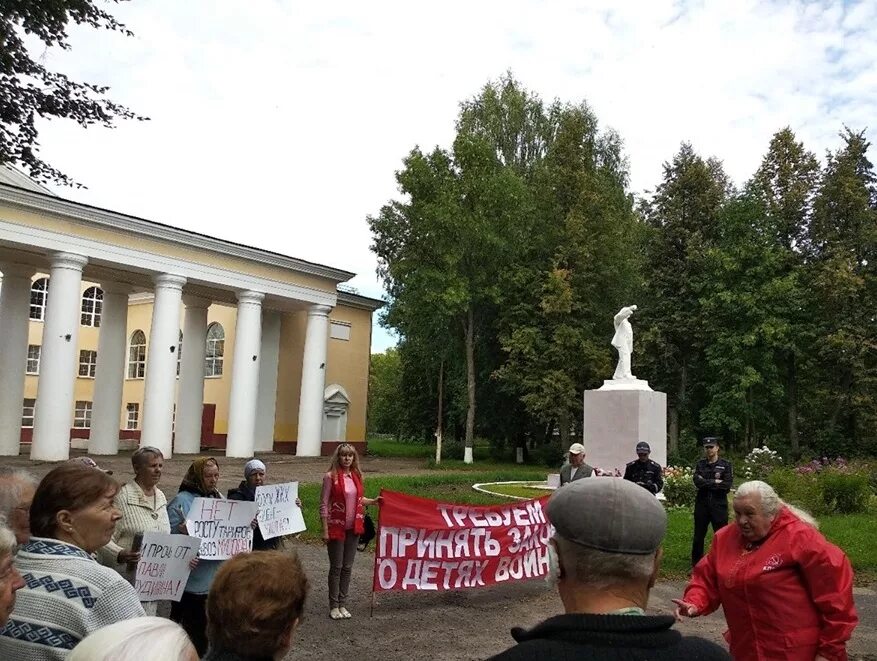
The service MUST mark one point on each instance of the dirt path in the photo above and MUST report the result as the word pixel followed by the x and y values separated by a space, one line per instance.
pixel 470 624
pixel 281 468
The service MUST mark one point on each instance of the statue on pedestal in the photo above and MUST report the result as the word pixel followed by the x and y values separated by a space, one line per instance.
pixel 623 342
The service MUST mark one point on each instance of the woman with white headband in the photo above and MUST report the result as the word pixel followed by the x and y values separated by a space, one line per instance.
pixel 254 476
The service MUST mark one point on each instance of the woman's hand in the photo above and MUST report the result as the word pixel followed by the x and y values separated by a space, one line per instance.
pixel 298 502
pixel 128 557
pixel 325 536
pixel 193 563
pixel 684 609
pixel 181 527
pixel 254 523
pixel 373 501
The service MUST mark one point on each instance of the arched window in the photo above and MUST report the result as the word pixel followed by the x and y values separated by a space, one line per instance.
pixel 92 304
pixel 137 355
pixel 39 293
pixel 215 350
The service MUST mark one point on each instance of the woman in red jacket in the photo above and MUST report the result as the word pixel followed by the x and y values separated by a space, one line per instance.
pixel 786 591
pixel 342 509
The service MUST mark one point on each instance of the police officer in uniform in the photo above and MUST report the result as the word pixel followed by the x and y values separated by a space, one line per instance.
pixel 713 478
pixel 644 471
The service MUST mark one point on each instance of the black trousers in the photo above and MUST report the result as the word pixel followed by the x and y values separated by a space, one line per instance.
pixel 713 510
pixel 191 614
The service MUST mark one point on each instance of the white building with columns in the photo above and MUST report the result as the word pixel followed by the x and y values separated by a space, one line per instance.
pixel 119 330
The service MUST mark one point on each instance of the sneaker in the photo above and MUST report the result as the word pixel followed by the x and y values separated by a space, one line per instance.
pixel 336 614
pixel 345 613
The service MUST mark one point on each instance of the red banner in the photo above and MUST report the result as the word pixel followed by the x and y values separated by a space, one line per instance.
pixel 429 545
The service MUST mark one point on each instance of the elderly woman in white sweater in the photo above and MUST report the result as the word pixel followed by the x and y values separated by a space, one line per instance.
pixel 144 509
pixel 67 594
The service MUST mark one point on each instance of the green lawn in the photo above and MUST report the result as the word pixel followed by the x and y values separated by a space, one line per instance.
pixel 387 447
pixel 854 533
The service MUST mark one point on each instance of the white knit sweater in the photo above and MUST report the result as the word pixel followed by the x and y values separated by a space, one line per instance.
pixel 140 514
pixel 67 595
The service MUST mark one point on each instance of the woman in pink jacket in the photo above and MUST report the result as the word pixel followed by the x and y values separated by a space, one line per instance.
pixel 342 509
pixel 787 593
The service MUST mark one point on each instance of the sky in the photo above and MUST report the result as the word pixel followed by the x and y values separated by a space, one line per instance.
pixel 280 124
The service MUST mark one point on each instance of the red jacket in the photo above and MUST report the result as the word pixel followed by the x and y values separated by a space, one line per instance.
pixel 790 598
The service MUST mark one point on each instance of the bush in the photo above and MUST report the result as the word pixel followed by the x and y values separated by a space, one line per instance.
pixel 801 490
pixel 548 454
pixel 499 450
pixel 834 489
pixel 452 449
pixel 760 463
pixel 679 487
pixel 844 493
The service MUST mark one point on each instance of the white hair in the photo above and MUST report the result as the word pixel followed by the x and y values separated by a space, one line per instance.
pixel 11 482
pixel 771 503
pixel 8 544
pixel 129 639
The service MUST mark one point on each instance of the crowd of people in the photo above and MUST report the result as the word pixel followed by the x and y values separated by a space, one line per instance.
pixel 69 545
pixel 786 592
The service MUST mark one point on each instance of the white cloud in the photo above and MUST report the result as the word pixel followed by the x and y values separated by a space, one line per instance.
pixel 280 124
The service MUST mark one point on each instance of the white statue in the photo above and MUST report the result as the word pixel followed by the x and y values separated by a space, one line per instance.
pixel 623 342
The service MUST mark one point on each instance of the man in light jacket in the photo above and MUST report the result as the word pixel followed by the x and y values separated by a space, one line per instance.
pixel 576 469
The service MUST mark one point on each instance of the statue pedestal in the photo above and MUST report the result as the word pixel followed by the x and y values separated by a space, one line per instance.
pixel 626 384
pixel 618 416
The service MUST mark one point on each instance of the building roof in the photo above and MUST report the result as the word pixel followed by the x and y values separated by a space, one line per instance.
pixel 13 177
pixel 354 300
pixel 19 190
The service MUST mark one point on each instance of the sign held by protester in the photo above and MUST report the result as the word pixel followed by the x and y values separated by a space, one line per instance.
pixel 223 526
pixel 278 513
pixel 164 566
pixel 429 545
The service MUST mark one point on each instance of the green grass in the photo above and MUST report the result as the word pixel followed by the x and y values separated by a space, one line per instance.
pixel 854 533
pixel 446 486
pixel 851 532
pixel 481 465
pixel 519 490
pixel 388 447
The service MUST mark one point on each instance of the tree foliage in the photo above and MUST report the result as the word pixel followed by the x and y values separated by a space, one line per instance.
pixel 507 254
pixel 29 91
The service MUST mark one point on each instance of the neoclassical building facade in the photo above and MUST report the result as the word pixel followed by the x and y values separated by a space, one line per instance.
pixel 118 330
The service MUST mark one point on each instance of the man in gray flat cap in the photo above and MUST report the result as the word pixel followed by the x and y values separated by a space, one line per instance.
pixel 605 555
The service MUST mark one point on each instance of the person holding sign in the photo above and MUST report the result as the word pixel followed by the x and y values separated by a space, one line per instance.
pixel 342 510
pixel 254 477
pixel 67 595
pixel 200 481
pixel 144 509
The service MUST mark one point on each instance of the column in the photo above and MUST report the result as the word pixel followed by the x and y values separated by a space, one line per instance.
pixel 269 358
pixel 161 363
pixel 59 358
pixel 190 400
pixel 110 372
pixel 244 375
pixel 14 324
pixel 313 382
